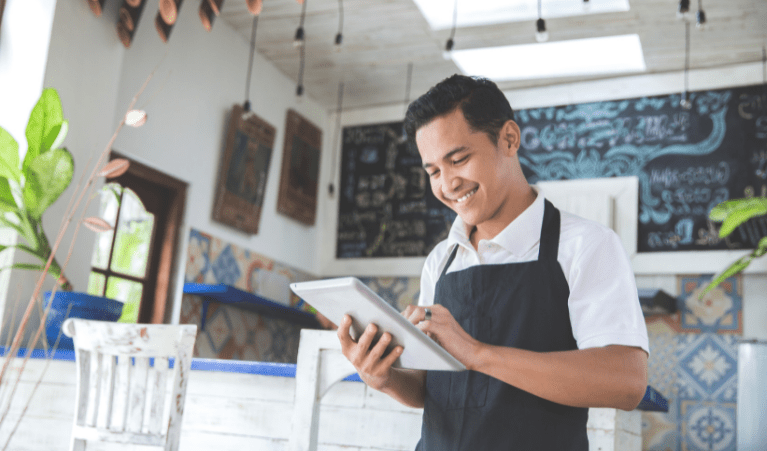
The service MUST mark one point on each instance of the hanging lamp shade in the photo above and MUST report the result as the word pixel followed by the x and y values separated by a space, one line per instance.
pixel 207 15
pixel 133 3
pixel 169 11
pixel 254 6
pixel 215 6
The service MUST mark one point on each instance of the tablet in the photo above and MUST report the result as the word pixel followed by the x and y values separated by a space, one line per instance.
pixel 336 297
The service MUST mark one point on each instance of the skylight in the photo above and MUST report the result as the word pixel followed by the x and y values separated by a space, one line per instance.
pixel 579 57
pixel 439 13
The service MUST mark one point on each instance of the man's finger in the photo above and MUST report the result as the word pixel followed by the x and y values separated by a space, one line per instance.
pixel 367 336
pixel 378 350
pixel 389 360
pixel 343 332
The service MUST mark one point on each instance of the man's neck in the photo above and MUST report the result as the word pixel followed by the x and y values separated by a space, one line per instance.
pixel 488 233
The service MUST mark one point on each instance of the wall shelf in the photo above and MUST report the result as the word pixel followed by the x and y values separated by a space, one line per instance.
pixel 229 295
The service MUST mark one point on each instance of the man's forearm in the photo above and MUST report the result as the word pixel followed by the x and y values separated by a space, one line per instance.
pixel 405 386
pixel 613 376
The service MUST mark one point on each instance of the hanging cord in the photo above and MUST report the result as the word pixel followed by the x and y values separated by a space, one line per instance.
pixel 450 41
pixel 246 105
pixel 335 138
pixel 685 96
pixel 764 65
pixel 300 87
pixel 403 137
pixel 339 35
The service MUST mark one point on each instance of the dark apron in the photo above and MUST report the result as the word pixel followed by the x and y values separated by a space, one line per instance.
pixel 520 305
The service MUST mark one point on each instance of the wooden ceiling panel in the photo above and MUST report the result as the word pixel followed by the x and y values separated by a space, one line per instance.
pixel 382 36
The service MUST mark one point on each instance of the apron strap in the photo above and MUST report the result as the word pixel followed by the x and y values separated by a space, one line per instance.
pixel 449 260
pixel 549 247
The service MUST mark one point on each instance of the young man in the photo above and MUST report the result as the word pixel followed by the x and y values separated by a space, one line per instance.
pixel 540 305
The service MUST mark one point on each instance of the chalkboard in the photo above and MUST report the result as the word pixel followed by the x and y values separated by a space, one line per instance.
pixel 687 161
pixel 386 207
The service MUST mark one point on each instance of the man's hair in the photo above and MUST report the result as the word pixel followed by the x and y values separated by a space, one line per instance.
pixel 484 106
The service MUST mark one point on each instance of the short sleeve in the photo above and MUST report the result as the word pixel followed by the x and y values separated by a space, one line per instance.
pixel 604 303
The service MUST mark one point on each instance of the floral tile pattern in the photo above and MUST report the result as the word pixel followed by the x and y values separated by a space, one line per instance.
pixel 707 368
pixel 707 426
pixel 719 311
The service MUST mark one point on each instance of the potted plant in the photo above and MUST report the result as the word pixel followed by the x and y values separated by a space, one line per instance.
pixel 731 214
pixel 27 189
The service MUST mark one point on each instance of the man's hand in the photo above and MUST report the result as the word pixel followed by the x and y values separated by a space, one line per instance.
pixel 372 362
pixel 445 330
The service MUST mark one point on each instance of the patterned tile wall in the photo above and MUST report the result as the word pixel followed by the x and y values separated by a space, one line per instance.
pixel 693 363
pixel 230 332
pixel 233 333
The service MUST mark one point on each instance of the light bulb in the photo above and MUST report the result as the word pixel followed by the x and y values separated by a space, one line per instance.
pixel 685 103
pixel 541 35
pixel 447 53
pixel 338 42
pixel 135 118
pixel 299 90
pixel 683 13
pixel 700 20
pixel 298 40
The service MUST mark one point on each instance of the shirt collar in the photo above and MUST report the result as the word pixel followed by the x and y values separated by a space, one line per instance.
pixel 519 237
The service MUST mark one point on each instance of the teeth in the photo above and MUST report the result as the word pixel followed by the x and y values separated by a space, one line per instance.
pixel 468 195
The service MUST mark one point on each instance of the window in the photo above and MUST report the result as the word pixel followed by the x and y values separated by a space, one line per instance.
pixel 133 262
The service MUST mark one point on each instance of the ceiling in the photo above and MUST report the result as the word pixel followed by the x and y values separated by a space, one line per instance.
pixel 381 37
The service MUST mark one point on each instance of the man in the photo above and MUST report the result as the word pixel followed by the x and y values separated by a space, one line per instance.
pixel 540 306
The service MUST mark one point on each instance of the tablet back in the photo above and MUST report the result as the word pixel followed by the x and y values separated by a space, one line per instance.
pixel 347 295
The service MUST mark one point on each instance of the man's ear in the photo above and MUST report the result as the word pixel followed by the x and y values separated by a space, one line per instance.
pixel 510 137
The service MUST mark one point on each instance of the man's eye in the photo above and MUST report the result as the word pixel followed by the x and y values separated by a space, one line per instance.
pixel 433 173
pixel 460 160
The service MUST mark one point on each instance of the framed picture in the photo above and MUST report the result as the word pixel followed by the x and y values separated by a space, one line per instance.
pixel 300 169
pixel 243 171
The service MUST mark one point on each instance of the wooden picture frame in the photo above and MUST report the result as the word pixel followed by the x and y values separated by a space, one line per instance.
pixel 243 171
pixel 299 177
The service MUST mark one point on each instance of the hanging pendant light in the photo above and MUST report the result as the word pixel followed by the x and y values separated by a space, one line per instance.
pixel 683 12
pixel 700 17
pixel 447 53
pixel 246 104
pixel 300 86
pixel 686 103
pixel 300 38
pixel 541 35
pixel 403 137
pixel 335 149
pixel 339 36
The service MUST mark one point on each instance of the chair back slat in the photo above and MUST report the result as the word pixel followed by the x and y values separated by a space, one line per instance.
pixel 121 391
pixel 106 390
pixel 136 398
pixel 83 364
pixel 159 382
pixel 121 396
pixel 94 379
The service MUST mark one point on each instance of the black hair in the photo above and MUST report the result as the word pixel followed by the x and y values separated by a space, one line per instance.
pixel 484 106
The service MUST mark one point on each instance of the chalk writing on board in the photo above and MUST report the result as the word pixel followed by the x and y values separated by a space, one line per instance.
pixel 686 161
pixel 386 208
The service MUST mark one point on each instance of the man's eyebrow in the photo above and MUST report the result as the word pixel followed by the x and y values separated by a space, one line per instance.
pixel 447 155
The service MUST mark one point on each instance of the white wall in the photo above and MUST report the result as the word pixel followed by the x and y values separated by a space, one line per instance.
pixel 46 43
pixel 24 38
pixel 199 76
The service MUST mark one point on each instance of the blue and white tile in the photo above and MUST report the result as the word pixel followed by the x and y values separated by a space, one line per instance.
pixel 660 430
pixel 707 426
pixel 218 330
pixel 198 261
pixel 719 310
pixel 225 267
pixel 707 367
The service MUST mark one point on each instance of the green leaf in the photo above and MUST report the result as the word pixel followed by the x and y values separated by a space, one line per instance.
pixel 63 129
pixel 45 117
pixel 49 175
pixel 761 248
pixel 9 156
pixel 7 202
pixel 735 268
pixel 736 212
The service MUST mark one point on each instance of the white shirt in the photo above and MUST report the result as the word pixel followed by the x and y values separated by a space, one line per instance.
pixel 603 303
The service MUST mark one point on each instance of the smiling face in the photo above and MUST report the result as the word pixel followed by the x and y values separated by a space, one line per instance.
pixel 481 181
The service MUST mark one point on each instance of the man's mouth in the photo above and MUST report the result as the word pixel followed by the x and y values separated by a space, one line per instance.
pixel 467 195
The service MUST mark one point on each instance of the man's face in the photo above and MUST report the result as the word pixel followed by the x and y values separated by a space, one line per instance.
pixel 468 173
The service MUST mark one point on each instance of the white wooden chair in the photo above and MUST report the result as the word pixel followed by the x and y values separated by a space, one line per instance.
pixel 126 391
pixel 320 366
